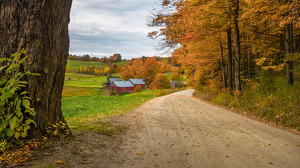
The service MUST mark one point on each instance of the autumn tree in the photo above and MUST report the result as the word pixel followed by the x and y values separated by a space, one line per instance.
pixel 161 81
pixel 150 70
pixel 256 35
pixel 138 89
pixel 41 27
pixel 133 70
pixel 176 76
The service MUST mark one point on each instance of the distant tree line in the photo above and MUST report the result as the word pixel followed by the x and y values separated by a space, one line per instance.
pixel 112 59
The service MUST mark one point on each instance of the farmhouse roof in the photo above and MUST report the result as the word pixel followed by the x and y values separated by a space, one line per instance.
pixel 123 83
pixel 137 81
pixel 175 82
pixel 110 80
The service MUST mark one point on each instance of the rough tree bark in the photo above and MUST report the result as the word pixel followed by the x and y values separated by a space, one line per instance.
pixel 288 51
pixel 224 80
pixel 229 60
pixel 237 57
pixel 43 26
pixel 248 62
pixel 288 33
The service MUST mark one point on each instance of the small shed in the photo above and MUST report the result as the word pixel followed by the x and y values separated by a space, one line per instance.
pixel 137 82
pixel 121 86
pixel 177 83
pixel 110 80
pixel 174 84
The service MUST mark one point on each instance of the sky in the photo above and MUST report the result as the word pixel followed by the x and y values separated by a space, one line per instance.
pixel 102 28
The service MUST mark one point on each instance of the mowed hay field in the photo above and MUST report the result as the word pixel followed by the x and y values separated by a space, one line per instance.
pixel 82 84
pixel 74 64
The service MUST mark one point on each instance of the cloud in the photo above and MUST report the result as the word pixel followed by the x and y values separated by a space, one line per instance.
pixel 104 27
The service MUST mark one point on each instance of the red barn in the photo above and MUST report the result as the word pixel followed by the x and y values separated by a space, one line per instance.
pixel 121 86
pixel 137 82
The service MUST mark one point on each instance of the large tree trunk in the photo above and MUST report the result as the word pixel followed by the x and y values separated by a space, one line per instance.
pixel 43 27
pixel 238 49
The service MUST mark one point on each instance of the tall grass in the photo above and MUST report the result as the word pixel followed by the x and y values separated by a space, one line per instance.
pixel 270 99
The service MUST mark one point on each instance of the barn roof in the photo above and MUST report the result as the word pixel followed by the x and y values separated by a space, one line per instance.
pixel 137 81
pixel 113 79
pixel 123 83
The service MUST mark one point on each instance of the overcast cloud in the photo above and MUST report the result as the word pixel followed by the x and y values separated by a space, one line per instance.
pixel 104 27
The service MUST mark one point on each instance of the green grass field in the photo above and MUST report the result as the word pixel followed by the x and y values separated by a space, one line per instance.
pixel 82 112
pixel 82 84
pixel 85 103
pixel 70 91
pixel 93 84
pixel 121 63
pixel 74 64
pixel 169 74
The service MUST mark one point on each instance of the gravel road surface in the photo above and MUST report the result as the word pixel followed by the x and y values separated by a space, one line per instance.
pixel 181 131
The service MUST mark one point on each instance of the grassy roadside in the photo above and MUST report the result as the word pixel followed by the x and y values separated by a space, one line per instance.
pixel 85 112
pixel 86 104
pixel 272 101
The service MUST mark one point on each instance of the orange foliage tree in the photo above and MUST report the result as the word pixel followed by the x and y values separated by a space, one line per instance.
pixel 150 70
pixel 134 70
pixel 257 35
pixel 161 81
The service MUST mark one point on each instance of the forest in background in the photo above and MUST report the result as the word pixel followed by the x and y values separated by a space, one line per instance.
pixel 238 53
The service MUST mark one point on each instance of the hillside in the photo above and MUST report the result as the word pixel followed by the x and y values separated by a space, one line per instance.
pixel 74 64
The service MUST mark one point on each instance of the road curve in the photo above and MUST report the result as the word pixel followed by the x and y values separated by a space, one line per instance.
pixel 178 130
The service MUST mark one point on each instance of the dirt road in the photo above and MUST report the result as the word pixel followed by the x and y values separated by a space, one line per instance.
pixel 180 131
pixel 177 131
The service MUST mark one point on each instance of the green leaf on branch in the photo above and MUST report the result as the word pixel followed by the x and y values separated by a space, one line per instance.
pixel 26 103
pixel 9 132
pixel 13 122
pixel 17 135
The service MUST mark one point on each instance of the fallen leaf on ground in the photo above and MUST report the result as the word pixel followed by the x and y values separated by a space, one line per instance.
pixel 168 162
pixel 270 163
pixel 251 154
pixel 227 156
pixel 59 162
pixel 186 153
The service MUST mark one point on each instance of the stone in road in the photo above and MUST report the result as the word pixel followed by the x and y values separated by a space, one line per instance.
pixel 180 131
